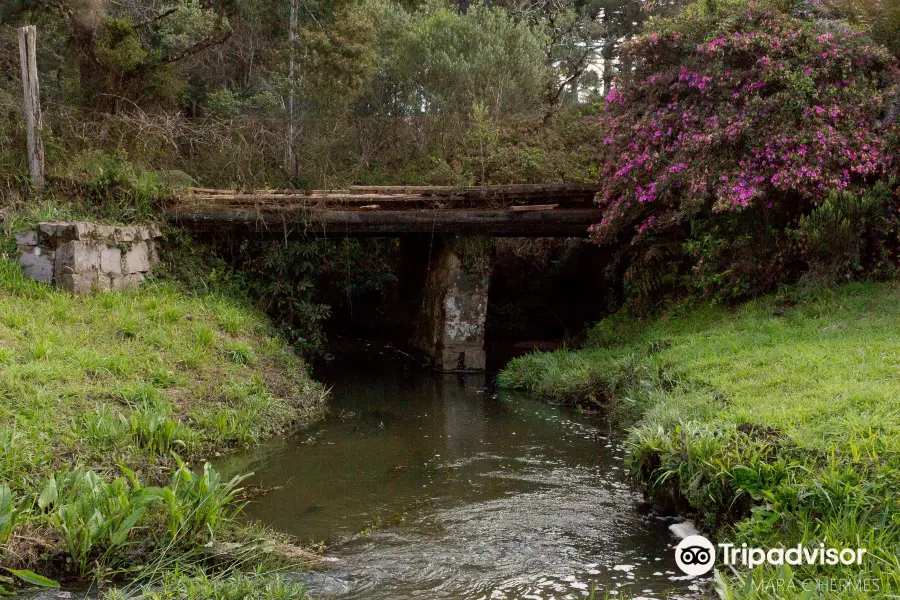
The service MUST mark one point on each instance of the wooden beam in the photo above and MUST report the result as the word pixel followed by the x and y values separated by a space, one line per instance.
pixel 398 197
pixel 534 207
pixel 32 106
pixel 311 223
pixel 528 189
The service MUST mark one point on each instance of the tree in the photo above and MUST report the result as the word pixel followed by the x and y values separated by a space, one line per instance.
pixel 732 124
pixel 125 51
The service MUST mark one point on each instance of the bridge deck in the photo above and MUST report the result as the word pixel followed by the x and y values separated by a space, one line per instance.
pixel 561 210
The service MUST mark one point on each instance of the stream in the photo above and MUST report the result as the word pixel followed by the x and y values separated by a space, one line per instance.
pixel 437 486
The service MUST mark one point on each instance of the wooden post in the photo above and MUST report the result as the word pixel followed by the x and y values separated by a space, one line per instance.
pixel 28 57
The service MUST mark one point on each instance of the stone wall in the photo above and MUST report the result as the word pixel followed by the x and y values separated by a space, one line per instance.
pixel 84 257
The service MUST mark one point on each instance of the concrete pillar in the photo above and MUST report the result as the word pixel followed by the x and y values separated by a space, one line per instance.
pixel 450 324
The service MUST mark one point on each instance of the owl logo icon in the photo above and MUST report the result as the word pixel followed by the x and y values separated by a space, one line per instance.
pixel 695 555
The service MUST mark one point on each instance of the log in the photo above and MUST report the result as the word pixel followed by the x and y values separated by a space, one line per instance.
pixel 527 189
pixel 290 192
pixel 303 198
pixel 533 207
pixel 32 105
pixel 310 223
pixel 412 197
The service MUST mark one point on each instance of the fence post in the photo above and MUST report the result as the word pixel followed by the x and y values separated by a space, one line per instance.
pixel 34 123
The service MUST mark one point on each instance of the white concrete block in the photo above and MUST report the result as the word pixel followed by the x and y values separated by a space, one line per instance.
pixel 79 283
pixel 111 261
pixel 126 282
pixel 29 238
pixel 136 259
pixel 77 257
pixel 37 266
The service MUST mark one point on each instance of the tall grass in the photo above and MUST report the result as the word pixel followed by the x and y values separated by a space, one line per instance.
pixel 153 426
pixel 9 513
pixel 193 583
pixel 199 504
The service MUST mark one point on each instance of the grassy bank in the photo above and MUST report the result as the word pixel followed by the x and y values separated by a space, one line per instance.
pixel 101 399
pixel 774 424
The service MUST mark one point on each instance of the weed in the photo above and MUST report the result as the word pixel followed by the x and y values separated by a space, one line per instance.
pixel 231 320
pixel 102 429
pixel 94 516
pixel 197 584
pixel 165 378
pixel 17 458
pixel 198 505
pixel 40 350
pixel 6 357
pixel 240 353
pixel 203 336
pixel 154 428
pixel 236 426
pixel 9 513
pixel 128 329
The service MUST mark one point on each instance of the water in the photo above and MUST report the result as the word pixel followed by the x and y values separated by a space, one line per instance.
pixel 434 486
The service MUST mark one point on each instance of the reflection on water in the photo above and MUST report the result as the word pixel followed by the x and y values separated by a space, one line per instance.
pixel 434 486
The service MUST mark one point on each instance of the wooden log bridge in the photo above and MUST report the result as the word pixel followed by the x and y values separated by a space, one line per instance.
pixel 443 292
pixel 544 210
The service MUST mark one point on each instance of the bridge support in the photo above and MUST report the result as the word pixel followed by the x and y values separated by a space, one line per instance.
pixel 453 306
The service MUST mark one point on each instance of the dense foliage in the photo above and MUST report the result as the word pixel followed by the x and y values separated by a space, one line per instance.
pixel 380 91
pixel 734 123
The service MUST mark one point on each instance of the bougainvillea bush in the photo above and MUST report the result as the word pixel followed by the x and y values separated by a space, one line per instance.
pixel 728 125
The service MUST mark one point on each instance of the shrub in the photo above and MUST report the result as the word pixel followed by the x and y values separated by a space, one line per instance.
pixel 94 516
pixel 880 17
pixel 835 234
pixel 731 124
pixel 117 186
pixel 198 504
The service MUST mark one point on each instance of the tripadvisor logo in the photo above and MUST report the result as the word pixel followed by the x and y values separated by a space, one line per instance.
pixel 695 555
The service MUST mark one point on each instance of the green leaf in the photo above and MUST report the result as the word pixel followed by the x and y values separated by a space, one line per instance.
pixel 49 495
pixel 127 525
pixel 34 579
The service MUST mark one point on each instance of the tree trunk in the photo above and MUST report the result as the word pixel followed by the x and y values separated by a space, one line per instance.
pixel 31 88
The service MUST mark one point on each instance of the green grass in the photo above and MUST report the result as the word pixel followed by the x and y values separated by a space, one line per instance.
pixel 102 395
pixel 159 361
pixel 197 584
pixel 776 424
